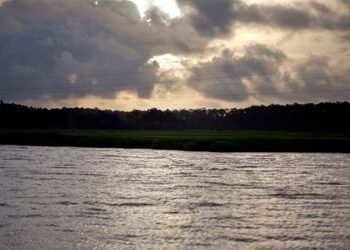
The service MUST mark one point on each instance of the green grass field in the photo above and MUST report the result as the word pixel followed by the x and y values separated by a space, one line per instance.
pixel 218 141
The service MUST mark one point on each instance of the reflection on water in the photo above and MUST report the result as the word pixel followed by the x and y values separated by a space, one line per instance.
pixel 73 198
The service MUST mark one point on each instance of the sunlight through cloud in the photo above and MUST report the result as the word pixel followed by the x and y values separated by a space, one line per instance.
pixel 169 7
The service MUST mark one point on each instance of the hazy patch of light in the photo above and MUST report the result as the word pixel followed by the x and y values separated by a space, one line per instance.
pixel 169 7
pixel 167 61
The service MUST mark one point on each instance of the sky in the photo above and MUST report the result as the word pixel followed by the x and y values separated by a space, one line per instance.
pixel 173 54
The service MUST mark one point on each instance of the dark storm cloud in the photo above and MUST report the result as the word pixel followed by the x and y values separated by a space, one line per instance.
pixel 218 17
pixel 315 80
pixel 75 48
pixel 346 2
pixel 259 72
pixel 210 18
pixel 277 16
pixel 232 78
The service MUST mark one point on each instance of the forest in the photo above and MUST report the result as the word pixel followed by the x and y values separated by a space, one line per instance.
pixel 322 117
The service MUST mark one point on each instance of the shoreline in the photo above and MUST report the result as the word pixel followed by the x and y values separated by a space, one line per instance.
pixel 180 150
pixel 205 141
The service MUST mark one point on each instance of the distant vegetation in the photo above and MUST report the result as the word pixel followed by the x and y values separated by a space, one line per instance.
pixel 323 117
pixel 321 127
pixel 224 141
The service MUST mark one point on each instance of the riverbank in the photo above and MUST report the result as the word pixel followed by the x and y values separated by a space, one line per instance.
pixel 216 141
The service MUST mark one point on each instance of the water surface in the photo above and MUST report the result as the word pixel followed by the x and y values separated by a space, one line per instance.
pixel 79 198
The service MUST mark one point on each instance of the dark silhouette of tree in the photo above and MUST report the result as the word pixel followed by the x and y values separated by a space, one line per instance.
pixel 325 117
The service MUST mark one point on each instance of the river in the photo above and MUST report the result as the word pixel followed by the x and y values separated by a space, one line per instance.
pixel 86 198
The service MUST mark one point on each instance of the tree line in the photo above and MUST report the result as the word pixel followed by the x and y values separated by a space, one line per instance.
pixel 323 117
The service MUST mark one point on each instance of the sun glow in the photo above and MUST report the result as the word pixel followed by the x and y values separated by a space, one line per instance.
pixel 169 7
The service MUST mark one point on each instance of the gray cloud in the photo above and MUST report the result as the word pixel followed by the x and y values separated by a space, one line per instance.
pixel 346 36
pixel 233 78
pixel 210 18
pixel 219 17
pixel 76 48
pixel 345 2
pixel 259 73
pixel 315 80
pixel 277 16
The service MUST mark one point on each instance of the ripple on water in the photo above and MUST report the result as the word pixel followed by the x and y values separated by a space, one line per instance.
pixel 4 205
pixel 66 203
pixel 219 169
pixel 118 199
pixel 294 196
pixel 329 183
pixel 239 239
pixel 205 204
pixel 17 216
pixel 121 204
pixel 228 184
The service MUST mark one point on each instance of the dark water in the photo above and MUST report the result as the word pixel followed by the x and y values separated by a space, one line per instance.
pixel 72 198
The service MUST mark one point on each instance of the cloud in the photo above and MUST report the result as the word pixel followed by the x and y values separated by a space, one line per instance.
pixel 315 79
pixel 210 18
pixel 3 1
pixel 233 78
pixel 265 73
pixel 345 2
pixel 106 46
pixel 346 36
pixel 218 17
pixel 275 16
pixel 66 49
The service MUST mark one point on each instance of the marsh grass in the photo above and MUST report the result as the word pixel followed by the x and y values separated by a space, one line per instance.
pixel 217 141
